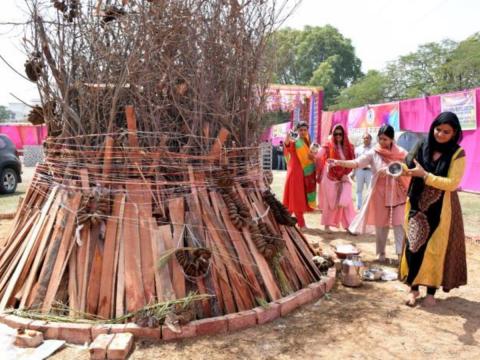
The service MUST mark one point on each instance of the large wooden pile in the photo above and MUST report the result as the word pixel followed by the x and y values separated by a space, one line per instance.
pixel 93 229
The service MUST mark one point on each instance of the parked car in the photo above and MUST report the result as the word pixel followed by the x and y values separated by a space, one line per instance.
pixel 10 166
pixel 408 139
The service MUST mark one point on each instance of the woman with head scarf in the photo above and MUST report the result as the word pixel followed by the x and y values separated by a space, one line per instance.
pixel 299 194
pixel 335 190
pixel 385 203
pixel 434 254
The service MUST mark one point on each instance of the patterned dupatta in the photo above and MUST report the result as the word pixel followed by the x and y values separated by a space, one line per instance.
pixel 302 149
pixel 426 201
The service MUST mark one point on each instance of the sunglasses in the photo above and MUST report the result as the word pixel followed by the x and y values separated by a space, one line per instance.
pixel 338 134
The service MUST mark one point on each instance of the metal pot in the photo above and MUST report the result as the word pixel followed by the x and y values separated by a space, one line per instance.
pixel 352 268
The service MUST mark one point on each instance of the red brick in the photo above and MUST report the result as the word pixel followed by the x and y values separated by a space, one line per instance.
pixel 187 331
pixel 330 283
pixel 75 333
pixel 211 326
pixel 318 289
pixel 267 313
pixel 144 333
pixel 52 330
pixel 120 347
pixel 29 339
pixel 304 296
pixel 241 320
pixel 287 304
pixel 16 322
pixel 117 328
pixel 98 348
pixel 100 329
pixel 38 325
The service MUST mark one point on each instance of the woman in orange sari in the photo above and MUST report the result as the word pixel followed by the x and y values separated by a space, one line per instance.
pixel 299 194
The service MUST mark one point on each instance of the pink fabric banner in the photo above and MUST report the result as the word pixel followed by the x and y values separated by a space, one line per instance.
pixel 339 117
pixel 22 134
pixel 418 114
pixel 276 133
pixel 327 117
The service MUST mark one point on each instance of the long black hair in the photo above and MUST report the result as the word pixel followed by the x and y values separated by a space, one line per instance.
pixel 425 149
pixel 451 146
pixel 387 130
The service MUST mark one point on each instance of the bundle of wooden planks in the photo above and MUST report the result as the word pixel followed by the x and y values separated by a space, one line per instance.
pixel 110 267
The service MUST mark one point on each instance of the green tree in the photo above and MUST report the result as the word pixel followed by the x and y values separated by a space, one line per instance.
pixel 419 73
pixel 371 89
pixel 462 69
pixel 318 56
pixel 5 114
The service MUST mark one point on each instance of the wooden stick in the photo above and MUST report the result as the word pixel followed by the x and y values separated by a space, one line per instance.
pixel 134 290
pixel 66 245
pixel 30 242
pixel 132 126
pixel 109 256
pixel 177 214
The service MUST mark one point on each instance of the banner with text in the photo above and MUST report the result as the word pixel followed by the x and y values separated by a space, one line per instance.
pixel 464 105
pixel 370 118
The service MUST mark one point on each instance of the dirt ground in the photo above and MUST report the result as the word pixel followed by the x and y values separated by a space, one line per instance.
pixel 369 322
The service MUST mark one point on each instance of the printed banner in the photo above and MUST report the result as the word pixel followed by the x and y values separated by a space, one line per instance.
pixel 375 116
pixel 464 105
pixel 287 97
pixel 370 118
pixel 314 118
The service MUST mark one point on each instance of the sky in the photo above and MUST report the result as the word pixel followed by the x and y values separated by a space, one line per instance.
pixel 380 31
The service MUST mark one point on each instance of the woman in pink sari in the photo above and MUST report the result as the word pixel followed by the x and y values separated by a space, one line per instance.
pixel 385 204
pixel 335 191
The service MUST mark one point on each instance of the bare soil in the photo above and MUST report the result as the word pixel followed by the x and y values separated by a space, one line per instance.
pixel 369 322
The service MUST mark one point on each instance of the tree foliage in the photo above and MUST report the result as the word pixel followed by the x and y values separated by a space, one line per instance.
pixel 5 114
pixel 370 89
pixel 318 56
pixel 434 68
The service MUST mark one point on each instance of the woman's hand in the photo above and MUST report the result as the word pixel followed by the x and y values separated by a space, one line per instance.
pixel 332 162
pixel 287 138
pixel 417 171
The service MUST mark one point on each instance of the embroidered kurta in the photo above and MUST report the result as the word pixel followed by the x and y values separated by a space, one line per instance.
pixel 385 203
pixel 441 259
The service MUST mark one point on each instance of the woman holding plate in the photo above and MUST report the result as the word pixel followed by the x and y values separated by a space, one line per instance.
pixel 385 203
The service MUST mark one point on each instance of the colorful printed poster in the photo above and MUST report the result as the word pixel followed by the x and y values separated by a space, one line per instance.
pixel 370 118
pixel 464 105
pixel 375 116
pixel 356 118
pixel 287 97
pixel 279 131
pixel 314 118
